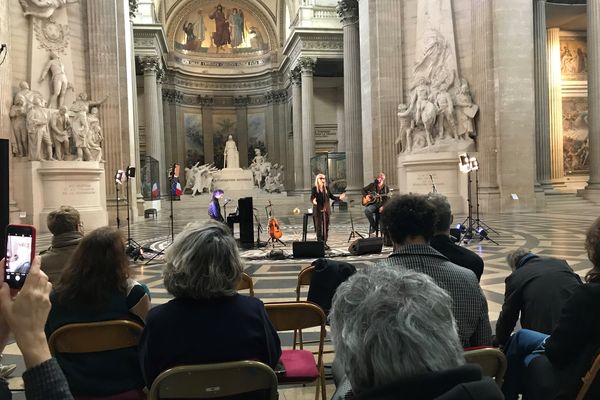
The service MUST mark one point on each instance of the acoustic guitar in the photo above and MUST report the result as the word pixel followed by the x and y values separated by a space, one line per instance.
pixel 372 198
pixel 274 229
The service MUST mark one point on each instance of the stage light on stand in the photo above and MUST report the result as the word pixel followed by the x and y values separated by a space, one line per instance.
pixel 464 163
pixel 120 177
pixel 474 163
pixel 136 253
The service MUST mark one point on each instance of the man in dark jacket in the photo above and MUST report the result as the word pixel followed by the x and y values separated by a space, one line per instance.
pixel 442 242
pixel 538 289
pixel 67 230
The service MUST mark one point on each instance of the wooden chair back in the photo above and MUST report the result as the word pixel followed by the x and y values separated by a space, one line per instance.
pixel 589 378
pixel 246 284
pixel 491 360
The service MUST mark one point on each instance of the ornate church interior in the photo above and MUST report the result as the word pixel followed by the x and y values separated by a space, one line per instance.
pixel 144 114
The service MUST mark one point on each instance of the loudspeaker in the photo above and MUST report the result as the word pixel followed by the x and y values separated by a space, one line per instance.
pixel 246 220
pixel 308 249
pixel 366 246
pixel 4 149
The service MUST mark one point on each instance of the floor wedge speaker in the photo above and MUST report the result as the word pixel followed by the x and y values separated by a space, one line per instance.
pixel 366 246
pixel 308 249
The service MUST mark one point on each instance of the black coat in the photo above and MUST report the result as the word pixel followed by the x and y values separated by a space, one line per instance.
pixel 326 278
pixel 322 200
pixel 538 290
pixel 458 254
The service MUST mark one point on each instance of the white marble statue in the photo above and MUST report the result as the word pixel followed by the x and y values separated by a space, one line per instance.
pixel 274 179
pixel 95 137
pixel 60 83
pixel 445 107
pixel 40 144
pixel 80 108
pixel 18 118
pixel 407 125
pixel 465 111
pixel 260 168
pixel 60 128
pixel 202 178
pixel 42 8
pixel 231 155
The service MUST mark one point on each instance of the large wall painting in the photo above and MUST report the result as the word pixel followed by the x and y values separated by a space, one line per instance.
pixel 194 139
pixel 573 58
pixel 223 126
pixel 575 135
pixel 257 134
pixel 221 27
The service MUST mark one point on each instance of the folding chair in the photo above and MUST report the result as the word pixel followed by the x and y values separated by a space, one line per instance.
pixel 491 360
pixel 589 378
pixel 300 365
pixel 304 278
pixel 246 283
pixel 92 337
pixel 208 381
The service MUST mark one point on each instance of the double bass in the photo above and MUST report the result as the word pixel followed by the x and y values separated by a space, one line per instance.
pixel 274 230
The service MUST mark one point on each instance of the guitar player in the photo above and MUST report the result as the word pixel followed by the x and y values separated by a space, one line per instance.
pixel 375 194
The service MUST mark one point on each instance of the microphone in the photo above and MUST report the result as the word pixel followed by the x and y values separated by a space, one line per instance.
pixel 227 201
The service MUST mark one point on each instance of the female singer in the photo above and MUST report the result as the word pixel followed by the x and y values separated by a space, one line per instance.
pixel 214 208
pixel 319 197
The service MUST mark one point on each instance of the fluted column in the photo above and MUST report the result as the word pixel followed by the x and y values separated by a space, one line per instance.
pixel 557 171
pixel 241 111
pixel 593 41
pixel 296 79
pixel 542 118
pixel 482 88
pixel 307 66
pixel 151 120
pixel 348 12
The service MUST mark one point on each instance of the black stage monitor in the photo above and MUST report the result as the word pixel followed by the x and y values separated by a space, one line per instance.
pixel 366 246
pixel 308 249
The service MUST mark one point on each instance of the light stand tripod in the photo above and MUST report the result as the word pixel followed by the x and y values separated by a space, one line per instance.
pixel 132 248
pixel 479 228
pixel 353 232
pixel 173 173
pixel 117 200
pixel 259 229
pixel 468 233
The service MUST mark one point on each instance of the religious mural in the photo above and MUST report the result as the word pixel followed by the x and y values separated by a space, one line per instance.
pixel 223 126
pixel 257 137
pixel 575 135
pixel 221 27
pixel 194 141
pixel 573 58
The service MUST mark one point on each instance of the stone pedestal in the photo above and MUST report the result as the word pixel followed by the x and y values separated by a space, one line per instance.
pixel 414 172
pixel 233 179
pixel 47 185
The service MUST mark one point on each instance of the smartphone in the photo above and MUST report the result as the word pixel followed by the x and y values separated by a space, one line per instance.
pixel 20 252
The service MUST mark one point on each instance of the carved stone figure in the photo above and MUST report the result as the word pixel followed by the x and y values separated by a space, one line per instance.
pixel 60 127
pixel 273 181
pixel 445 106
pixel 60 83
pixel 42 8
pixel 80 124
pixel 407 125
pixel 231 155
pixel 95 137
pixel 259 167
pixel 18 117
pixel 40 144
pixel 202 178
pixel 465 111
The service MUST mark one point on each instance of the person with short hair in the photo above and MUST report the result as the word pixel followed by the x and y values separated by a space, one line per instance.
pixel 214 208
pixel 375 194
pixel 207 321
pixel 67 230
pixel 537 289
pixel 442 242
pixel 410 222
pixel 395 337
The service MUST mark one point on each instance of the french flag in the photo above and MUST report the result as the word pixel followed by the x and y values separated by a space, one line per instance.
pixel 176 189
pixel 155 191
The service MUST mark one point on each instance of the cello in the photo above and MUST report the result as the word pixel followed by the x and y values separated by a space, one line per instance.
pixel 274 230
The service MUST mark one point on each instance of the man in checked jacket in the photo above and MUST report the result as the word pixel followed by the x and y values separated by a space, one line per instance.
pixel 410 221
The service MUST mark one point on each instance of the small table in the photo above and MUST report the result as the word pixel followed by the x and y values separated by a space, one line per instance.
pixel 305 225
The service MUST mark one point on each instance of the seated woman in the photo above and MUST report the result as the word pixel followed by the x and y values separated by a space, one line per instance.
pixel 96 286
pixel 207 321
pixel 562 358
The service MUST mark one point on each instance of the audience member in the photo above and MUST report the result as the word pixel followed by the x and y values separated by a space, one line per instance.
pixel 568 352
pixel 395 337
pixel 409 220
pixel 207 321
pixel 442 242
pixel 538 289
pixel 25 315
pixel 67 230
pixel 96 286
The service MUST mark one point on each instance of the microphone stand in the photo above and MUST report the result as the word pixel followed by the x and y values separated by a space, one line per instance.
pixel 171 195
pixel 433 188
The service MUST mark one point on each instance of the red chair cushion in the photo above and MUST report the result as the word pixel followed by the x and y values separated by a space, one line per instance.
pixel 299 366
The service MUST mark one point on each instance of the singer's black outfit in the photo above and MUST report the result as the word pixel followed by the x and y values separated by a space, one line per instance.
pixel 372 210
pixel 321 211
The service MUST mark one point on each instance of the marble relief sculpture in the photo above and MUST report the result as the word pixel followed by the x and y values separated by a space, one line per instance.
pixel 260 168
pixel 231 155
pixel 42 8
pixel 60 128
pixel 40 144
pixel 18 116
pixel 80 124
pixel 60 83
pixel 200 177
pixel 95 137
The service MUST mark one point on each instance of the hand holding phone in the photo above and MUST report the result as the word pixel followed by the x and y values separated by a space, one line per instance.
pixel 20 252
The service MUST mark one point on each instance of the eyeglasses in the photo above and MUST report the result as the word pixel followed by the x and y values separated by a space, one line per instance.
pixel 321 179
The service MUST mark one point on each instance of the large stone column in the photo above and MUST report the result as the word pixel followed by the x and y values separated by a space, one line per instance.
pixel 542 118
pixel 151 120
pixel 296 79
pixel 557 170
pixel 207 128
pixel 592 191
pixel 307 66
pixel 241 111
pixel 160 76
pixel 348 11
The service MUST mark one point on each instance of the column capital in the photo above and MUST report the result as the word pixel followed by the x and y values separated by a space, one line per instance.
pixel 133 6
pixel 347 10
pixel 307 64
pixel 160 76
pixel 296 76
pixel 241 101
pixel 206 101
pixel 150 63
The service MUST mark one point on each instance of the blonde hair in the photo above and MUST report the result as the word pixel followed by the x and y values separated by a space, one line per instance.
pixel 319 176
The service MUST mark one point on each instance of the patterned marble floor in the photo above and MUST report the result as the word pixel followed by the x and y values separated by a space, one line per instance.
pixel 557 230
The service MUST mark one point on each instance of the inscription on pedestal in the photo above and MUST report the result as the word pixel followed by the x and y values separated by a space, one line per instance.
pixel 79 189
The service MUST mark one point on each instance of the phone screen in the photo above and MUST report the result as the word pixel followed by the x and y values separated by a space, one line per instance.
pixel 18 256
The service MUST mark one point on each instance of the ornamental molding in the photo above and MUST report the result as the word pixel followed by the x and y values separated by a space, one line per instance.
pixel 307 64
pixel 347 10
pixel 51 35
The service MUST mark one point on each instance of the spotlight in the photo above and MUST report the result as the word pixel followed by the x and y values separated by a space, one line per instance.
pixel 461 228
pixel 474 163
pixel 464 163
pixel 120 177
pixel 136 253
pixel 481 232
pixel 130 172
